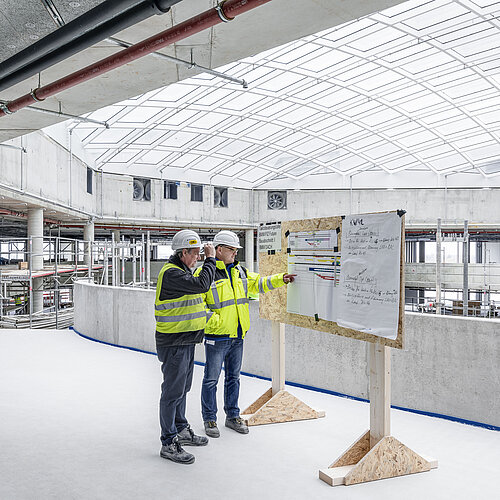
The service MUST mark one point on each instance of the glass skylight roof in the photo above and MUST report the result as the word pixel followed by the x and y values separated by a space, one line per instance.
pixel 410 95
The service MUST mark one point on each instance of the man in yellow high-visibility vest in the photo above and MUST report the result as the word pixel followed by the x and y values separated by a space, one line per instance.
pixel 227 300
pixel 180 319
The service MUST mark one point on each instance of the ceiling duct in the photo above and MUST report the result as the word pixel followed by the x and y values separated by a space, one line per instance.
pixel 102 21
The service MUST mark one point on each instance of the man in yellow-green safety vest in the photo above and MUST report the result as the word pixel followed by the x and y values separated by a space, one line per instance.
pixel 227 302
pixel 180 319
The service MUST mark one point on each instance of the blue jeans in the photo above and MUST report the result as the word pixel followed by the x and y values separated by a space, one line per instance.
pixel 229 352
pixel 177 367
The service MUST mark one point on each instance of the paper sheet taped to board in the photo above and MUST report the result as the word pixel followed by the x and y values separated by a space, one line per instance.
pixel 369 288
pixel 315 261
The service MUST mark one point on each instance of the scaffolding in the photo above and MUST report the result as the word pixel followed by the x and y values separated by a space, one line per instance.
pixel 65 261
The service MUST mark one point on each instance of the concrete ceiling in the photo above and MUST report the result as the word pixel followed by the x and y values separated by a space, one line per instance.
pixel 23 22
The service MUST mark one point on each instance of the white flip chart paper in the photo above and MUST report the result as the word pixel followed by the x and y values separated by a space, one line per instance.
pixel 369 291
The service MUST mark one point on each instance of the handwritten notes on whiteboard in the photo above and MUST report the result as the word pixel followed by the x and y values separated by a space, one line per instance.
pixel 368 294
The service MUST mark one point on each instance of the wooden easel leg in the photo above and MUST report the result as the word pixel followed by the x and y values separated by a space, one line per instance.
pixel 278 356
pixel 277 405
pixel 380 393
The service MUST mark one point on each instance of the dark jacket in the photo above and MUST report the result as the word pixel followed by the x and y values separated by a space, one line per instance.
pixel 179 282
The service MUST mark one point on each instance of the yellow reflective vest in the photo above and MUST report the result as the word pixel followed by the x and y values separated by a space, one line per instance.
pixel 183 314
pixel 228 305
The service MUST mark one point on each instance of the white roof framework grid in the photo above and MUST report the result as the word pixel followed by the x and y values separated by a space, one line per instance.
pixel 408 97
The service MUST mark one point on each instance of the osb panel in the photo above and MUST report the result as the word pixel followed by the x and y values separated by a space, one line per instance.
pixel 258 402
pixel 355 453
pixel 282 407
pixel 273 304
pixel 388 458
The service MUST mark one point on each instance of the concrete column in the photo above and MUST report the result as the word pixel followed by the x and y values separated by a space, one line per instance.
pixel 88 235
pixel 249 242
pixel 466 268
pixel 35 233
pixel 438 267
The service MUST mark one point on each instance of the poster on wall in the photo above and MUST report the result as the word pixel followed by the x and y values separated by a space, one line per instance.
pixel 269 237
pixel 369 285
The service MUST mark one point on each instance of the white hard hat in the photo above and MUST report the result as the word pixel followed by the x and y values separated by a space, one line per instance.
pixel 185 239
pixel 227 238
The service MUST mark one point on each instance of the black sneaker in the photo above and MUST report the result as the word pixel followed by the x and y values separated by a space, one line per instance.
pixel 211 429
pixel 189 438
pixel 237 424
pixel 174 452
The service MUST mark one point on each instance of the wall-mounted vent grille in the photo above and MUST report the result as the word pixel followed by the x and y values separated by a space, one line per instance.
pixel 142 189
pixel 220 197
pixel 276 200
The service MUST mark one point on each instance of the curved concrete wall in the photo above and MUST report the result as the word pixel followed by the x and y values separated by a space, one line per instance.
pixel 449 364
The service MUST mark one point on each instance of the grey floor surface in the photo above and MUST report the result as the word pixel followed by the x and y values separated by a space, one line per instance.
pixel 79 420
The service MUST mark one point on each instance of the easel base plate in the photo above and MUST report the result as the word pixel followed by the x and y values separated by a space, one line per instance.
pixel 282 407
pixel 388 458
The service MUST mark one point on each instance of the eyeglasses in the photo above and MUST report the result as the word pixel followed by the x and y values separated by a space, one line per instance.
pixel 233 250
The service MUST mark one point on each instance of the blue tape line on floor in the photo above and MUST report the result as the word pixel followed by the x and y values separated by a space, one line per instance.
pixel 316 389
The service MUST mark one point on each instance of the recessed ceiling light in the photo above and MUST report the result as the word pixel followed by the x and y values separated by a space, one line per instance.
pixel 74 4
pixel 34 37
pixel 11 46
pixel 30 25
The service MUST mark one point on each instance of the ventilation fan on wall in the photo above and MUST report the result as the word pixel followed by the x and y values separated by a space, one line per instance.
pixel 220 197
pixel 276 200
pixel 142 189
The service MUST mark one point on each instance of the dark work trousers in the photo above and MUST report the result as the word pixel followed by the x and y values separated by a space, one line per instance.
pixel 177 367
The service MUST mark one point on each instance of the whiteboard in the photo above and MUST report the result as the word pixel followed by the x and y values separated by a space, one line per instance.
pixel 369 289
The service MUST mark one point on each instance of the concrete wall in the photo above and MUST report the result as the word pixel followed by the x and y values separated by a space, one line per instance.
pixel 45 172
pixel 422 205
pixel 449 364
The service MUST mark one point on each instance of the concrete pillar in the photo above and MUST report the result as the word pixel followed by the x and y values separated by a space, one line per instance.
pixel 88 235
pixel 35 233
pixel 249 242
pixel 438 267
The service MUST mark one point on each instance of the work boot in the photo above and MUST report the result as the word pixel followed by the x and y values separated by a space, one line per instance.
pixel 174 452
pixel 237 424
pixel 187 437
pixel 211 429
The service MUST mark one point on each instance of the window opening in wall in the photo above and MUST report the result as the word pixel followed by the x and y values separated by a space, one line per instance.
pixel 276 200
pixel 220 197
pixel 89 180
pixel 170 190
pixel 196 192
pixel 142 189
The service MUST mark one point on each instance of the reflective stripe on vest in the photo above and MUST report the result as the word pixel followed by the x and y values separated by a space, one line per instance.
pixel 182 303
pixel 243 278
pixel 181 317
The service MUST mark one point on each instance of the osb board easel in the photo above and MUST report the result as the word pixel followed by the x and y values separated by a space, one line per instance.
pixel 273 305
pixel 376 455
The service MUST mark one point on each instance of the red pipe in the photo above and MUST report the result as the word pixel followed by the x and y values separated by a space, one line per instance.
pixel 230 9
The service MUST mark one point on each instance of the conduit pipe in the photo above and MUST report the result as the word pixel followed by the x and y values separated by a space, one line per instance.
pixel 100 22
pixel 223 12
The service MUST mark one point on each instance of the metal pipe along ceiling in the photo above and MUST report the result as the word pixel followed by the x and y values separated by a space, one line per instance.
pixel 223 12
pixel 102 21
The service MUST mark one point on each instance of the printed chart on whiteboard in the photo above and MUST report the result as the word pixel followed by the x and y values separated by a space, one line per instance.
pixel 315 260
